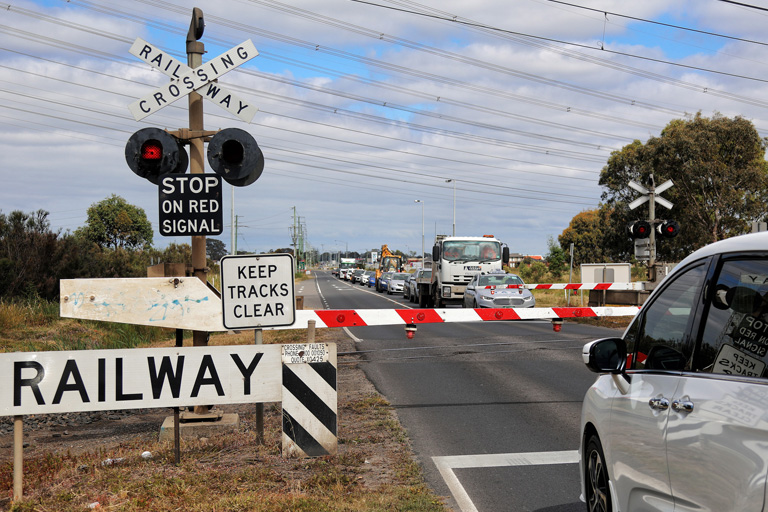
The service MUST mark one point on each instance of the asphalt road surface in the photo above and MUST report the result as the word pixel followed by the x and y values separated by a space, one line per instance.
pixel 492 408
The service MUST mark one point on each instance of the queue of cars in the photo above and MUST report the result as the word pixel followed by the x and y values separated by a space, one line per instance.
pixel 495 289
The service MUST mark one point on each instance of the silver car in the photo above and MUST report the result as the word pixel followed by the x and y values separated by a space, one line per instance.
pixel 396 282
pixel 497 290
pixel 677 418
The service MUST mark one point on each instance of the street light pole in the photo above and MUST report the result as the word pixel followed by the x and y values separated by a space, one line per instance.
pixel 422 230
pixel 454 204
pixel 346 246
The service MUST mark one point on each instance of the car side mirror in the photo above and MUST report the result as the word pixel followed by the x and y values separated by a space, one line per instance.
pixel 607 355
pixel 436 253
pixel 743 300
pixel 505 255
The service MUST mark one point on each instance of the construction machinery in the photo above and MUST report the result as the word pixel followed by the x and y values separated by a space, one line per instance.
pixel 388 262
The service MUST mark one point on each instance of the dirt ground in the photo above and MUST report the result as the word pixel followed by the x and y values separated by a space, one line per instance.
pixel 368 428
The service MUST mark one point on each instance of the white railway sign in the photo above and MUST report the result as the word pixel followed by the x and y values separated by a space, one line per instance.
pixel 100 380
pixel 186 80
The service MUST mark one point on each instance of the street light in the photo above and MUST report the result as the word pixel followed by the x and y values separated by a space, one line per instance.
pixel 454 204
pixel 422 230
pixel 346 247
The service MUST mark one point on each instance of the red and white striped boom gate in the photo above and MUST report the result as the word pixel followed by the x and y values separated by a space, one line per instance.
pixel 638 286
pixel 370 317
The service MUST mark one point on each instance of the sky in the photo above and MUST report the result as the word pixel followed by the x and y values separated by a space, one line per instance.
pixel 366 107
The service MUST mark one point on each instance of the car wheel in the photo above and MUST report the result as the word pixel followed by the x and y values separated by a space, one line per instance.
pixel 474 304
pixel 438 301
pixel 422 300
pixel 596 479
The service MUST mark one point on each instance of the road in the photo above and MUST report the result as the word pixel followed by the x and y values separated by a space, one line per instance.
pixel 492 409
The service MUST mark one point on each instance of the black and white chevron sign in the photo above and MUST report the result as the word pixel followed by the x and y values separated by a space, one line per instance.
pixel 310 406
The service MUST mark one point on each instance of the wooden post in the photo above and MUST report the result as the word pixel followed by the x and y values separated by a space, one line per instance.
pixel 258 338
pixel 311 331
pixel 176 419
pixel 18 456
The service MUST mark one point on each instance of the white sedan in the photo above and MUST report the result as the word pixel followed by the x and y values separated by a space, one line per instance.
pixel 678 416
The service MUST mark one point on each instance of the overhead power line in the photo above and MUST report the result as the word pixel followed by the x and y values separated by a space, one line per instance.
pixel 742 4
pixel 678 27
pixel 559 41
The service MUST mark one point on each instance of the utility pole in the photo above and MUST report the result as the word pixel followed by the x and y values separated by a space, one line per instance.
pixel 195 51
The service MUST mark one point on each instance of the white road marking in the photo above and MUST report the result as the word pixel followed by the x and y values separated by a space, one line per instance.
pixel 447 464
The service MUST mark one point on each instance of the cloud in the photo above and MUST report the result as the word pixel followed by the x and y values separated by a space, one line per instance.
pixel 364 109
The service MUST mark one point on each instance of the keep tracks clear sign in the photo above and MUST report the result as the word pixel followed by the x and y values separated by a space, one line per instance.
pixel 257 291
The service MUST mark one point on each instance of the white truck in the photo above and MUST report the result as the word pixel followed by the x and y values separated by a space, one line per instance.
pixel 455 260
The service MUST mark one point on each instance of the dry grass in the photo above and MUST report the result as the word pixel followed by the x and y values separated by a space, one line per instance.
pixel 373 470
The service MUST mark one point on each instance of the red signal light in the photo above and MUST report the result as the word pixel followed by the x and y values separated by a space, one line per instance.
pixel 151 150
pixel 639 229
pixel 668 228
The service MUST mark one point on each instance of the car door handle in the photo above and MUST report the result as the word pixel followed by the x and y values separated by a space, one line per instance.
pixel 659 403
pixel 682 406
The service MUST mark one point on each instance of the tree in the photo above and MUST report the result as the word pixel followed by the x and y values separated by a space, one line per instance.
pixel 587 233
pixel 216 249
pixel 113 222
pixel 556 259
pixel 721 182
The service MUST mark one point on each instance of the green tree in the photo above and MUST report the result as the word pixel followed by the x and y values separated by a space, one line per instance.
pixel 721 182
pixel 215 249
pixel 115 223
pixel 587 233
pixel 556 259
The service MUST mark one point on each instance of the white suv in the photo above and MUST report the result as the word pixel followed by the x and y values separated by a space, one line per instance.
pixel 678 417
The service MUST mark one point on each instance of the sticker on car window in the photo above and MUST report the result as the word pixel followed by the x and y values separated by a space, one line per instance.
pixel 752 334
pixel 734 362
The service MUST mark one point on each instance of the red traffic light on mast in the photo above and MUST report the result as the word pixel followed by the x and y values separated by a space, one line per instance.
pixel 152 152
pixel 639 229
pixel 668 228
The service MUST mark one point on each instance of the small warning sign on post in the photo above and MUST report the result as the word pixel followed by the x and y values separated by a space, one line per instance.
pixel 301 353
pixel 257 291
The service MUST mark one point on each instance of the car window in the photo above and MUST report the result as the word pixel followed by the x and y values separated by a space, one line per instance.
pixel 659 338
pixel 735 335
pixel 512 280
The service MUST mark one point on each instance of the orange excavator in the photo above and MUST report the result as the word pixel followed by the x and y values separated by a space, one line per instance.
pixel 388 263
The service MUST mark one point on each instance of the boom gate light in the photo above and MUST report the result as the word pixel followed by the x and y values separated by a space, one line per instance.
pixel 152 152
